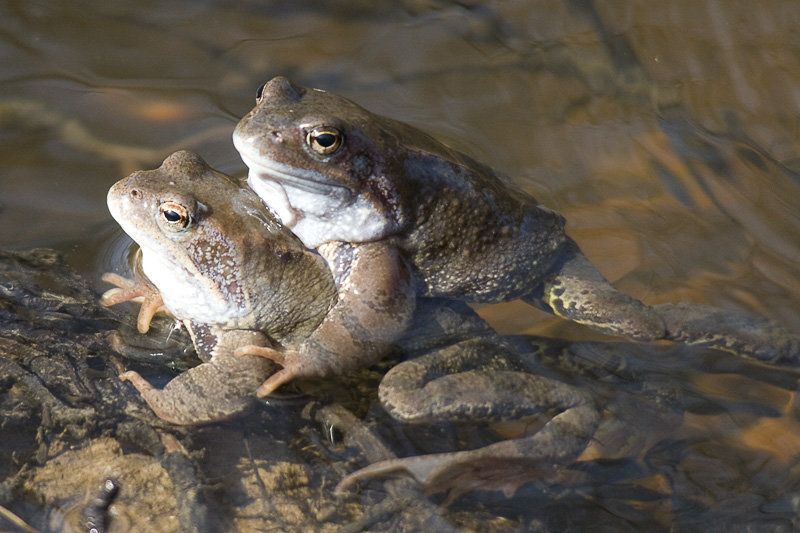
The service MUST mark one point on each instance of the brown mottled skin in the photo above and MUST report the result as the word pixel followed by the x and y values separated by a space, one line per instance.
pixel 218 261
pixel 338 175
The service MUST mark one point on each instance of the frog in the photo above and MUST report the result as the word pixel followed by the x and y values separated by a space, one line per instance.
pixel 343 178
pixel 215 258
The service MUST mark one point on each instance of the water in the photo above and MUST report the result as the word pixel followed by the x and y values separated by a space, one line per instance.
pixel 666 133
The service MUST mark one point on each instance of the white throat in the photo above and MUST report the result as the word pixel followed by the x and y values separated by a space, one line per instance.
pixel 184 294
pixel 317 218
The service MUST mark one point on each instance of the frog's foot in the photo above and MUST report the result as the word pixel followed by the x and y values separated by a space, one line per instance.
pixel 142 292
pixel 293 366
pixel 497 466
pixel 162 404
pixel 141 384
pixel 703 325
pixel 146 390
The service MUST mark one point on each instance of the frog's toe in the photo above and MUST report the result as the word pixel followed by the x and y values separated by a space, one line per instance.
pixel 291 364
pixel 117 280
pixel 150 306
pixel 276 380
pixel 114 296
pixel 294 365
pixel 125 290
pixel 261 351
pixel 136 380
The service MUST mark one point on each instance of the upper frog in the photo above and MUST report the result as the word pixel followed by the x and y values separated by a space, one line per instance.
pixel 333 171
pixel 224 266
pixel 346 181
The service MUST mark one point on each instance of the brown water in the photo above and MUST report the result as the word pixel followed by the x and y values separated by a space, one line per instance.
pixel 666 133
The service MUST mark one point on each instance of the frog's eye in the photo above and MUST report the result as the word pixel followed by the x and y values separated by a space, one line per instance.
pixel 324 141
pixel 260 92
pixel 175 215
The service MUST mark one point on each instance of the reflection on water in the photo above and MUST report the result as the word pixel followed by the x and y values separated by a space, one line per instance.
pixel 667 134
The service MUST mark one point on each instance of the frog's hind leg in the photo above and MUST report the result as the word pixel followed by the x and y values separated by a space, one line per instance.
pixel 756 338
pixel 577 291
pixel 497 465
pixel 210 392
pixel 474 380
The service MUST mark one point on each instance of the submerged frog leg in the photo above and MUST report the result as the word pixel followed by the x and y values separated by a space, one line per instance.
pixel 403 492
pixel 703 325
pixel 480 379
pixel 577 291
pixel 561 440
pixel 139 291
pixel 376 302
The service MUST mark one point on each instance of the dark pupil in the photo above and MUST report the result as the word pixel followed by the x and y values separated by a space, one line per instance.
pixel 260 92
pixel 326 140
pixel 171 216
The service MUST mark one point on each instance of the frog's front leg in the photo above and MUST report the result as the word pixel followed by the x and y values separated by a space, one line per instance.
pixel 375 306
pixel 481 380
pixel 139 290
pixel 213 391
pixel 577 291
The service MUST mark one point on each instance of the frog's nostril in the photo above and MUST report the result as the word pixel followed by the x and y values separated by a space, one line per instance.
pixel 135 193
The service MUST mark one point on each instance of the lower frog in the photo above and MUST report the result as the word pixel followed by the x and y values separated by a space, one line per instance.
pixel 384 202
pixel 217 260
pixel 214 258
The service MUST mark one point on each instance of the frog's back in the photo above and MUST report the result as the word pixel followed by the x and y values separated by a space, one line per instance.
pixel 475 238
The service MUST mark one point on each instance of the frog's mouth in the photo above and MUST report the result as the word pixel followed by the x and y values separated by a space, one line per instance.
pixel 309 181
pixel 294 193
